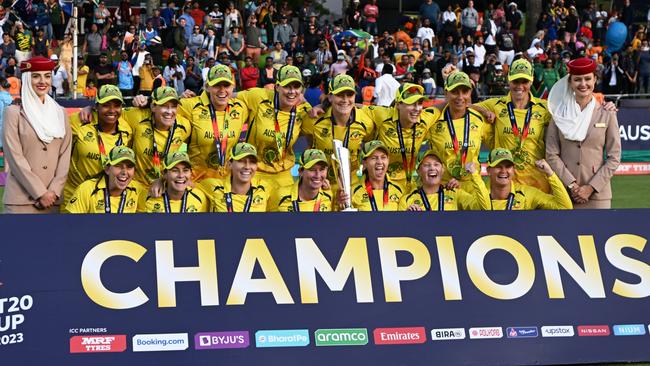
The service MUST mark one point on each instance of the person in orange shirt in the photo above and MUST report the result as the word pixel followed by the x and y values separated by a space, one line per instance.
pixel 91 90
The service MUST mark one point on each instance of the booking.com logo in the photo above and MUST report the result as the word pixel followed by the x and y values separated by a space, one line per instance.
pixel 160 342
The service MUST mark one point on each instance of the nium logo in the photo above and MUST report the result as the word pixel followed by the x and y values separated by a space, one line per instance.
pixel 94 344
pixel 400 335
pixel 629 329
pixel 557 331
pixel 485 332
pixel 160 342
pixel 341 337
pixel 445 334
pixel 282 338
pixel 593 330
pixel 221 340
pixel 522 332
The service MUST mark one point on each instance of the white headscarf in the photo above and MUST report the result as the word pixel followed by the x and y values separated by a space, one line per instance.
pixel 570 119
pixel 47 118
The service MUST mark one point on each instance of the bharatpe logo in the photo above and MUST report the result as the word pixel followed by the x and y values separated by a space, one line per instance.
pixel 221 340
pixel 485 333
pixel 95 344
pixel 593 330
pixel 160 342
pixel 629 330
pixel 282 338
pixel 341 337
pixel 400 335
pixel 522 332
pixel 447 334
pixel 557 331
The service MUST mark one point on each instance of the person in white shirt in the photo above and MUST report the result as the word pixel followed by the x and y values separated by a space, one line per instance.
pixel 479 52
pixel 536 49
pixel 385 87
pixel 425 31
pixel 59 76
pixel 491 37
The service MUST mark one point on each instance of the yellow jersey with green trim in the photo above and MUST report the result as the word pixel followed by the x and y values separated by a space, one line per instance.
pixel 361 198
pixel 288 201
pixel 386 120
pixel 89 197
pixel 530 198
pixel 360 130
pixel 533 147
pixel 442 143
pixel 202 147
pixel 261 130
pixel 195 201
pixel 454 199
pixel 217 189
pixel 86 160
pixel 141 121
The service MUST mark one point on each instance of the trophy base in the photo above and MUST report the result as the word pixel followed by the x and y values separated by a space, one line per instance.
pixel 350 209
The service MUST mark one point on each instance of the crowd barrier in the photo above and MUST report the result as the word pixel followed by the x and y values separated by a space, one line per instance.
pixel 457 288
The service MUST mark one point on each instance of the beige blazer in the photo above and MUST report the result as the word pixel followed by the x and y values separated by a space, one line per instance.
pixel 34 166
pixel 592 161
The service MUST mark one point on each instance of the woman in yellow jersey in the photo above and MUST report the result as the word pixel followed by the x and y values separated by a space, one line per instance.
pixel 433 196
pixel 157 132
pixel 307 194
pixel 274 121
pixel 457 134
pixel 377 192
pixel 178 195
pixel 114 191
pixel 403 128
pixel 217 122
pixel 241 191
pixel 507 194
pixel 92 141
pixel 343 121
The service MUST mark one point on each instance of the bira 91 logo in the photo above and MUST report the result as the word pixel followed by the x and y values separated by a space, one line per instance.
pixel 593 330
pixel 446 334
pixel 485 332
pixel 94 344
pixel 385 336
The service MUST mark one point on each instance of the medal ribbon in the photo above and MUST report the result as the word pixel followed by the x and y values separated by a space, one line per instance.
pixel 509 204
pixel 346 139
pixel 521 137
pixel 441 199
pixel 107 200
pixel 247 205
pixel 156 155
pixel 454 137
pixel 371 194
pixel 168 207
pixel 296 205
pixel 220 142
pixel 278 135
pixel 102 148
pixel 406 164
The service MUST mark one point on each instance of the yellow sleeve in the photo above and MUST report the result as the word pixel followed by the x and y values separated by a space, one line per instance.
pixel 487 136
pixel 133 115
pixel 558 199
pixel 185 107
pixel 479 199
pixel 78 203
pixel 142 203
pixel 379 114
pixel 307 127
pixel 251 97
pixel 75 123
pixel 488 104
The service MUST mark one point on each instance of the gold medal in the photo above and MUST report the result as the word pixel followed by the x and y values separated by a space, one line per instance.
pixel 455 169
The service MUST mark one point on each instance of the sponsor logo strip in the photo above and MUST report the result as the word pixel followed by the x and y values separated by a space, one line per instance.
pixel 400 335
pixel 99 343
pixel 341 337
pixel 522 332
pixel 629 329
pixel 557 331
pixel 445 334
pixel 593 330
pixel 160 342
pixel 485 333
pixel 221 340
pixel 282 338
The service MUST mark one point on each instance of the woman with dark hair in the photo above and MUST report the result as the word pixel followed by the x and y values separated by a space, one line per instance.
pixel 174 73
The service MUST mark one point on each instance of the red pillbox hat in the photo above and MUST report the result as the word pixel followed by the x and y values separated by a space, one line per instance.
pixel 581 66
pixel 38 63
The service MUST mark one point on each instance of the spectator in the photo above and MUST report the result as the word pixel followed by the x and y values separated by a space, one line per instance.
pixel 157 21
pixel 514 16
pixel 7 49
pixel 469 19
pixel 206 68
pixel 294 46
pixel 312 39
pixel 211 42
pixel 254 43
pixel 197 14
pixel 124 12
pixel 571 27
pixel 250 74
pixel 341 66
pixel 425 32
pixel 57 20
pixel 371 12
pixel 146 76
pixel 496 80
pixel 180 41
pixel 506 43
pixel 82 75
pixel 193 79
pixel 613 77
pixel 41 44
pixel 353 15
pixel 385 87
pixel 5 101
pixel 283 32
pixel 168 14
pixel 479 52
pixel 196 40
pixel 323 54
pixel 125 74
pixel 101 14
pixel 549 75
pixel 279 55
pixel 216 19
pixel 92 46
pixel 430 10
pixel 314 91
pixel 24 42
pixel 449 22
pixel 267 74
pixel 235 42
pixel 104 72
pixel 174 74
pixel 156 51
pixel 187 22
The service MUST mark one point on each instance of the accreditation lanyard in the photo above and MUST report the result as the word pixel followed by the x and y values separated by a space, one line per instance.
pixel 107 200
pixel 371 194
pixel 296 204
pixel 102 148
pixel 454 137
pixel 408 165
pixel 441 199
pixel 220 141
pixel 168 206
pixel 520 136
pixel 282 150
pixel 509 203
pixel 156 156
pixel 346 139
pixel 247 204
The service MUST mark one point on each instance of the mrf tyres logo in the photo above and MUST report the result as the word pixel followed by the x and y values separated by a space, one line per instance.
pixel 98 343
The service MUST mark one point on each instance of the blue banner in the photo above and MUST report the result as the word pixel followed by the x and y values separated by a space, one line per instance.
pixel 461 288
pixel 634 128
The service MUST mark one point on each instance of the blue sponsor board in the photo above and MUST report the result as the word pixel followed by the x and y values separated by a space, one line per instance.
pixel 629 329
pixel 522 332
pixel 261 274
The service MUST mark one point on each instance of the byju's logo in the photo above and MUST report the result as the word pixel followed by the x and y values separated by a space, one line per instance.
pixel 160 342
pixel 341 337
pixel 485 332
pixel 629 330
pixel 220 340
pixel 400 335
pixel 93 344
pixel 557 331
pixel 522 332
pixel 282 338
pixel 445 334
pixel 593 330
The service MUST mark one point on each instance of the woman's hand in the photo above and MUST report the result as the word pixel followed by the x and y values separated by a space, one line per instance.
pixel 543 166
pixel 453 184
pixel 157 188
pixel 188 94
pixel 140 101
pixel 414 207
pixel 342 199
pixel 47 200
pixel 86 114
pixel 584 192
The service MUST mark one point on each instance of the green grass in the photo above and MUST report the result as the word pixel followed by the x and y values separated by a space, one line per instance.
pixel 629 191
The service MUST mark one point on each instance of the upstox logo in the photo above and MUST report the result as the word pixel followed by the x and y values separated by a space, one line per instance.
pixel 160 342
pixel 282 338
pixel 341 337
pixel 557 331
pixel 629 329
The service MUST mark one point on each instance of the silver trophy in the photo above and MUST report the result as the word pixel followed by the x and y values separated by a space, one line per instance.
pixel 341 162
